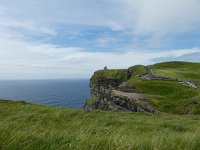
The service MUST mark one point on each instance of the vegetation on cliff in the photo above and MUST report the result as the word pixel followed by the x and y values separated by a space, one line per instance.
pixel 31 127
pixel 115 75
pixel 173 86
pixel 169 96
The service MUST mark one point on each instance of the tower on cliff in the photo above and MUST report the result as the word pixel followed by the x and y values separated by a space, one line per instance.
pixel 105 68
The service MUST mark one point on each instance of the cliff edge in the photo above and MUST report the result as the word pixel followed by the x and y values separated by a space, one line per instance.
pixel 171 87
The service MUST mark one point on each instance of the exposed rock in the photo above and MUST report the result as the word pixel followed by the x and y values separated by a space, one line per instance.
pixel 112 92
pixel 125 88
pixel 115 95
pixel 187 83
pixel 133 101
pixel 195 102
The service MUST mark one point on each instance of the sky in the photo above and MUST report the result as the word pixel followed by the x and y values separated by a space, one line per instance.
pixel 64 39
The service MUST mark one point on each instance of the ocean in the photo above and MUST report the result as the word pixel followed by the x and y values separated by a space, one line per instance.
pixel 61 93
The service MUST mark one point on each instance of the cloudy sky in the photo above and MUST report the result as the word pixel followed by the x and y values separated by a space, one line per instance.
pixel 56 39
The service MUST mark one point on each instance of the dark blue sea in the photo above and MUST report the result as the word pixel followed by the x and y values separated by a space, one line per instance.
pixel 62 93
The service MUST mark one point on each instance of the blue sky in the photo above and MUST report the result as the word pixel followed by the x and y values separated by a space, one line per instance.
pixel 48 39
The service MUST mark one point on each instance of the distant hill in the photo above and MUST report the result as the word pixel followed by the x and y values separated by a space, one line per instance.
pixel 171 87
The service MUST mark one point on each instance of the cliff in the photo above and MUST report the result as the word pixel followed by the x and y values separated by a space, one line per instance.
pixel 164 87
pixel 109 91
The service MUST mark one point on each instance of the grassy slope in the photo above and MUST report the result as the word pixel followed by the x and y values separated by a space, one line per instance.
pixel 26 126
pixel 180 70
pixel 172 97
pixel 137 70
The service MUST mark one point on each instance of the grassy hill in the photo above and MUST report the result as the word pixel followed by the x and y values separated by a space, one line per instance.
pixel 31 127
pixel 170 96
pixel 180 70
pixel 167 96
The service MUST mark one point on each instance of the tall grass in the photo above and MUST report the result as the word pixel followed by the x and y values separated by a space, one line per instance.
pixel 31 127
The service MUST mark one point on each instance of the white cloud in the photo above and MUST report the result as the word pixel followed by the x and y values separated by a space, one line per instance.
pixel 20 59
pixel 25 25
pixel 12 25
pixel 162 17
pixel 156 18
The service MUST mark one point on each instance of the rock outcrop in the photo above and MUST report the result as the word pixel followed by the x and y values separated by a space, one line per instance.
pixel 151 89
pixel 113 94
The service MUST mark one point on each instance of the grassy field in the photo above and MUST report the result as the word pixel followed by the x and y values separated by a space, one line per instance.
pixel 181 70
pixel 32 127
pixel 169 96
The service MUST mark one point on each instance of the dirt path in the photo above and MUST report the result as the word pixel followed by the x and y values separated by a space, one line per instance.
pixel 133 96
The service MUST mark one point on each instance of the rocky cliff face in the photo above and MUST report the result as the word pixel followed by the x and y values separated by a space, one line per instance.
pixel 109 91
pixel 170 87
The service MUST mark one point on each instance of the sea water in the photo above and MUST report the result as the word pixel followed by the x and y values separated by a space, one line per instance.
pixel 62 93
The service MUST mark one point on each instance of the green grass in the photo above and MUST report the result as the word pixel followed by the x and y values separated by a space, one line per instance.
pixel 168 96
pixel 31 127
pixel 111 74
pixel 116 76
pixel 34 127
pixel 180 70
pixel 90 101
pixel 137 70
